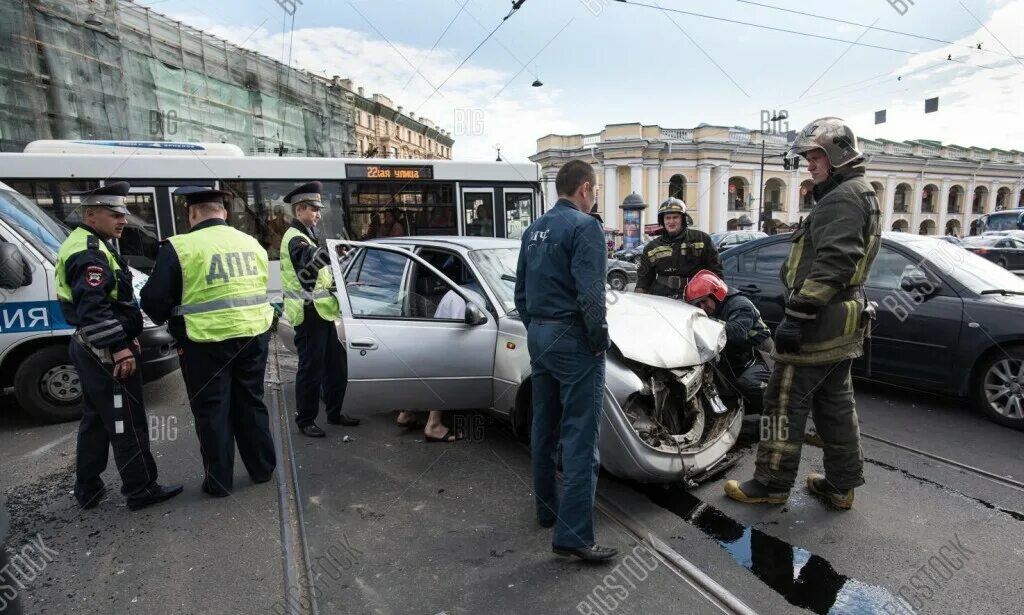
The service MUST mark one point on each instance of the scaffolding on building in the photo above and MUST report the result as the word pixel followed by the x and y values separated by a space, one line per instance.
pixel 113 69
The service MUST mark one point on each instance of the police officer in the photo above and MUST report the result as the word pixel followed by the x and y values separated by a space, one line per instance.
pixel 560 296
pixel 823 328
pixel 748 344
pixel 669 260
pixel 210 285
pixel 94 288
pixel 311 307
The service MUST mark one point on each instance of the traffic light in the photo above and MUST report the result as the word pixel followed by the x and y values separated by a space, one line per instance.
pixel 791 164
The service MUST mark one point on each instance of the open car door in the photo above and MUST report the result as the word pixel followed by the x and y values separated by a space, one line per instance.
pixel 414 339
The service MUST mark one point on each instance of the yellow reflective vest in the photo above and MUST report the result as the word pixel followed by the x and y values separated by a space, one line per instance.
pixel 295 296
pixel 224 284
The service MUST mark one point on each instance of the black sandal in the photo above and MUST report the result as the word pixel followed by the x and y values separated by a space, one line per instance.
pixel 451 433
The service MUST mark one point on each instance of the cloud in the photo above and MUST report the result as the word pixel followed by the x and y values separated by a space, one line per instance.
pixel 465 105
pixel 977 106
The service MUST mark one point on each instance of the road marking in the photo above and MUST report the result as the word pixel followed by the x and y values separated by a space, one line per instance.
pixel 46 447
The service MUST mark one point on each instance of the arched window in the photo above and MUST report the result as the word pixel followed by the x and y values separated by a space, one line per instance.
pixel 900 199
pixel 738 194
pixel 928 200
pixel 677 187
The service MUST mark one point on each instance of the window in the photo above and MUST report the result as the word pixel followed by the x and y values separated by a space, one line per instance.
pixel 455 268
pixel 888 269
pixel 519 213
pixel 53 198
pixel 768 260
pixel 729 264
pixel 139 241
pixel 369 121
pixel 374 284
pixel 395 209
pixel 479 213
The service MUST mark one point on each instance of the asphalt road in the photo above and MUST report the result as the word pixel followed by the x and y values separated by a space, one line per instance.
pixel 395 525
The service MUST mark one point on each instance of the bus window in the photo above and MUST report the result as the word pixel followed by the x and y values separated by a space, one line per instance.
pixel 518 212
pixel 246 214
pixel 332 216
pixel 52 197
pixel 394 209
pixel 479 206
pixel 277 213
pixel 140 240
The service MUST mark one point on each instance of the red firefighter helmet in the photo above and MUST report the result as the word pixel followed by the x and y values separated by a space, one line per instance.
pixel 705 283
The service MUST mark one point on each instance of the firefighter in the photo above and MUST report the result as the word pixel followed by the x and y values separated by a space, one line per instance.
pixel 748 344
pixel 210 285
pixel 669 260
pixel 311 307
pixel 96 296
pixel 824 326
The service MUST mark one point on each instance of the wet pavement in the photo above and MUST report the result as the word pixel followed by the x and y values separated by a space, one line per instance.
pixel 392 524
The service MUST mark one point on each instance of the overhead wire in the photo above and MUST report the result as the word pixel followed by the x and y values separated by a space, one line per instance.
pixel 434 46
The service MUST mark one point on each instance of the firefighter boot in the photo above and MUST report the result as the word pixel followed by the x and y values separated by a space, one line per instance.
pixel 821 487
pixel 754 492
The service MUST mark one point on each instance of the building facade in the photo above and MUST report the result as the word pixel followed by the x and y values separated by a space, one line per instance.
pixel 385 131
pixel 114 69
pixel 923 186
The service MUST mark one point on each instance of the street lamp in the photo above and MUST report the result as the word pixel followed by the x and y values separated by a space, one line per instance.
pixel 764 213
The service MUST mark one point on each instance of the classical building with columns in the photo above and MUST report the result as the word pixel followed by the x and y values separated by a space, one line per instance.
pixel 924 186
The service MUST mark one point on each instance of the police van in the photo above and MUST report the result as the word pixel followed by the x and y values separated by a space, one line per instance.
pixel 34 336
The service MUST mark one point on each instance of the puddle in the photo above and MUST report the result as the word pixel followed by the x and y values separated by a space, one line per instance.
pixel 804 579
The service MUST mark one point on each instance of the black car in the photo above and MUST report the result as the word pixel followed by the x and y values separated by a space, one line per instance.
pixel 1006 251
pixel 948 321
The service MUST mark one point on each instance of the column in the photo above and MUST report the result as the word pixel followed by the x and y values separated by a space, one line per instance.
pixel 550 192
pixel 704 196
pixel 756 191
pixel 636 178
pixel 914 205
pixel 890 203
pixel 653 196
pixel 611 196
pixel 993 192
pixel 943 205
pixel 720 197
pixel 793 198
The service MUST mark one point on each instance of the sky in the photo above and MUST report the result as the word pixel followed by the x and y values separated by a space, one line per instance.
pixel 604 62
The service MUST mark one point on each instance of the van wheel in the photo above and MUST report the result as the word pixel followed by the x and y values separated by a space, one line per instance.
pixel 47 386
pixel 999 390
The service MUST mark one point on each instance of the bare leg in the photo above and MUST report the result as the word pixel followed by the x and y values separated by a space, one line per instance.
pixel 406 417
pixel 436 429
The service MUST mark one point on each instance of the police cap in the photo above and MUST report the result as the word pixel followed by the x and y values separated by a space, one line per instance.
pixel 110 196
pixel 196 195
pixel 309 193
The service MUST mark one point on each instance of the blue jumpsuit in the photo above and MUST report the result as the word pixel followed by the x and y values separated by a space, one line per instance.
pixel 560 296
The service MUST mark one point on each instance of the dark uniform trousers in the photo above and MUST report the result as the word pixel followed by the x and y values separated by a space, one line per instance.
pixel 793 393
pixel 104 426
pixel 323 368
pixel 567 387
pixel 224 381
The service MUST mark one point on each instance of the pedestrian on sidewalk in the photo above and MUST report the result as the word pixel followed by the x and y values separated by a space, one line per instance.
pixel 560 297
pixel 312 307
pixel 94 288
pixel 824 326
pixel 210 286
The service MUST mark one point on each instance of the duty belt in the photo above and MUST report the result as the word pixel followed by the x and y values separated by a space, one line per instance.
pixel 103 354
pixel 675 282
pixel 556 321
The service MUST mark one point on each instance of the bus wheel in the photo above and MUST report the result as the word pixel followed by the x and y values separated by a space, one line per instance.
pixel 47 386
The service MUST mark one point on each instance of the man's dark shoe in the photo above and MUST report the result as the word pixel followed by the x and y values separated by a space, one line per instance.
pixel 262 479
pixel 753 492
pixel 216 492
pixel 157 494
pixel 821 487
pixel 93 500
pixel 593 553
pixel 343 419
pixel 546 523
pixel 312 431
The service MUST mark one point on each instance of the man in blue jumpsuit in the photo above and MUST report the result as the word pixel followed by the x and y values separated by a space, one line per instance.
pixel 94 287
pixel 560 297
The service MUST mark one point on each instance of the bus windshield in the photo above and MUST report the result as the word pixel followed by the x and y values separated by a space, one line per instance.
pixel 1004 220
pixel 32 223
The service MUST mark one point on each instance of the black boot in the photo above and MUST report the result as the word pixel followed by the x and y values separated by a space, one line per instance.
pixel 157 494
pixel 753 492
pixel 343 419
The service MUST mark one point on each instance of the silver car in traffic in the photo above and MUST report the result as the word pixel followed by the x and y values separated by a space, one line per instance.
pixel 663 420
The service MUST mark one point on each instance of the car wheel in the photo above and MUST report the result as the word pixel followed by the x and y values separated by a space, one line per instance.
pixel 617 281
pixel 47 386
pixel 1000 388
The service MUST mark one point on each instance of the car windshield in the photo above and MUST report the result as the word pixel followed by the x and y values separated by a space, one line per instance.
pixel 974 272
pixel 498 268
pixel 32 223
pixel 1002 221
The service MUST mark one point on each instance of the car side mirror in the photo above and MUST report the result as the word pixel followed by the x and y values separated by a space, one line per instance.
pixel 474 315
pixel 916 280
pixel 14 269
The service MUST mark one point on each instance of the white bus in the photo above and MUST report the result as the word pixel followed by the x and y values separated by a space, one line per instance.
pixel 367 198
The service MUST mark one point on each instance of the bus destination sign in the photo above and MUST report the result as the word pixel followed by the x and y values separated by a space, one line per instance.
pixel 380 171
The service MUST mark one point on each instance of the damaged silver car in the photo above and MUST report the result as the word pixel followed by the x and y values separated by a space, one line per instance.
pixel 664 417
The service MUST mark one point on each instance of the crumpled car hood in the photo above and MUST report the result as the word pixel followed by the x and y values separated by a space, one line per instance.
pixel 662 332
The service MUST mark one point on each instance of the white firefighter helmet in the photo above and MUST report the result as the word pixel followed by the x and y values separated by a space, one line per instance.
pixel 831 135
